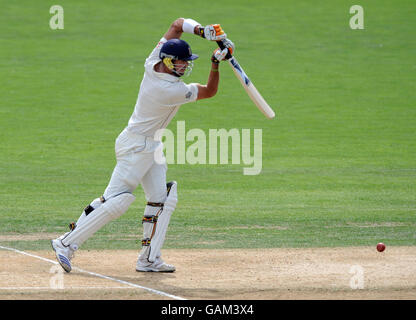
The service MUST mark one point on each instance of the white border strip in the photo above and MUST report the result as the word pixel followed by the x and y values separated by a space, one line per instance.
pixel 161 293
pixel 66 288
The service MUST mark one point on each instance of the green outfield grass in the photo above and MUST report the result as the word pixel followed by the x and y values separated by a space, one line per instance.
pixel 339 160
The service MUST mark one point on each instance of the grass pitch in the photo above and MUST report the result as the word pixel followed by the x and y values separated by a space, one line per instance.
pixel 339 160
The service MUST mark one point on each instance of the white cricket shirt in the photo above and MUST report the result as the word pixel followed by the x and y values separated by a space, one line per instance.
pixel 160 97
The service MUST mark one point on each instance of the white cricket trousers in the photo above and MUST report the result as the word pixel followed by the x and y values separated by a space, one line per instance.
pixel 136 164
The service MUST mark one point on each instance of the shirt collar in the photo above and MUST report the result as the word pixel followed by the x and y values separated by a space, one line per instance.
pixel 165 76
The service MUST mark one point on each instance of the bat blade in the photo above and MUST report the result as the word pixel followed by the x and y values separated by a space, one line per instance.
pixel 251 90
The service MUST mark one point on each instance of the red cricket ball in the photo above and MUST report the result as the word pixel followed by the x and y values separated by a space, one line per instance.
pixel 381 247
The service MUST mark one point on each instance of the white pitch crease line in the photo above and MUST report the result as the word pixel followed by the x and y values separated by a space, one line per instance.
pixel 161 293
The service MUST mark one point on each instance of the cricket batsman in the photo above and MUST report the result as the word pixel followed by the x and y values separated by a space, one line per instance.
pixel 161 93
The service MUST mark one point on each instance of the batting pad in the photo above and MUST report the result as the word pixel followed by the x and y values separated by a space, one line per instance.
pixel 108 211
pixel 163 222
pixel 94 204
pixel 156 231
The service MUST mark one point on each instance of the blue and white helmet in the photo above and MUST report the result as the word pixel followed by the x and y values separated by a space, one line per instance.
pixel 177 49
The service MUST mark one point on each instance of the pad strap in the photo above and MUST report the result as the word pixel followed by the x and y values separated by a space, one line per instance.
pixel 151 219
pixel 155 204
pixel 88 209
pixel 146 242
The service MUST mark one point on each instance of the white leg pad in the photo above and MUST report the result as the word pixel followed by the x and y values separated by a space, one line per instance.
pixel 95 204
pixel 108 211
pixel 157 231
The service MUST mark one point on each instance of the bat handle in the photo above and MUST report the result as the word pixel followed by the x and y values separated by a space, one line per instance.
pixel 222 47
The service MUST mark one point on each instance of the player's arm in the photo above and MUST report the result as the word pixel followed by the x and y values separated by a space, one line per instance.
pixel 210 89
pixel 175 30
pixel 211 32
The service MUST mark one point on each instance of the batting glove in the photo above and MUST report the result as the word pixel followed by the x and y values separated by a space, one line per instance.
pixel 219 55
pixel 222 54
pixel 228 44
pixel 212 32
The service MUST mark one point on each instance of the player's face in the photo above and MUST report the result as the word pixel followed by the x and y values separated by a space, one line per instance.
pixel 180 66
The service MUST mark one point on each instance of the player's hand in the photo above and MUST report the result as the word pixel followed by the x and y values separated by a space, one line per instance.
pixel 219 55
pixel 212 32
pixel 225 53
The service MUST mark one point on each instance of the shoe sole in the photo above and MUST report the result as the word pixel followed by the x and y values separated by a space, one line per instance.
pixel 63 261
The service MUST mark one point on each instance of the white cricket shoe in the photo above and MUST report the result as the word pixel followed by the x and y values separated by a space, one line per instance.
pixel 157 266
pixel 63 254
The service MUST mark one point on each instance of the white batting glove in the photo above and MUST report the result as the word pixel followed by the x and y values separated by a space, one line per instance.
pixel 212 32
pixel 222 54
pixel 219 55
pixel 229 45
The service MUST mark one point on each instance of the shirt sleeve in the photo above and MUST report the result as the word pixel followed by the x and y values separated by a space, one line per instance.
pixel 154 55
pixel 183 93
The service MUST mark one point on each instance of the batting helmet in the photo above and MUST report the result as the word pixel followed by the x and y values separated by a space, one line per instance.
pixel 177 49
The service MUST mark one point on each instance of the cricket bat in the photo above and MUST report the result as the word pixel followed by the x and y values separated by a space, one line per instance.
pixel 248 86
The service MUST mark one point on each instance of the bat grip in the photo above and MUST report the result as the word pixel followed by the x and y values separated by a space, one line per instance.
pixel 222 47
